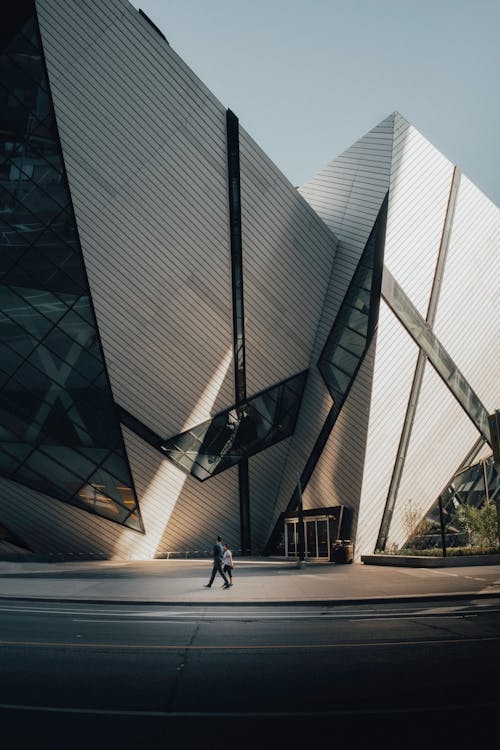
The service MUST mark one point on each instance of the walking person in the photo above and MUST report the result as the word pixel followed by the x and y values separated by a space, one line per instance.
pixel 227 563
pixel 217 566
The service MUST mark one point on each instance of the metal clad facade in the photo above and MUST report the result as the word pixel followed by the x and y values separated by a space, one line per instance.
pixel 395 360
pixel 347 194
pixel 419 190
pixel 288 255
pixel 468 314
pixel 144 144
pixel 441 436
pixel 145 149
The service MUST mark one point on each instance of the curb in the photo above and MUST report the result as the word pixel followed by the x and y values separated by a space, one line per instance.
pixel 459 596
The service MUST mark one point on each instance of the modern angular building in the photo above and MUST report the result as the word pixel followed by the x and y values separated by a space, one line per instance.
pixel 187 339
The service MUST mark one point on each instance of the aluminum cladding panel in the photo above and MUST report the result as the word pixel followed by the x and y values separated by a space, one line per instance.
pixel 420 185
pixel 144 144
pixel 468 314
pixel 288 254
pixel 442 435
pixel 395 361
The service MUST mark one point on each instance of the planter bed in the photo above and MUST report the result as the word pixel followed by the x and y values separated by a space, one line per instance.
pixel 427 561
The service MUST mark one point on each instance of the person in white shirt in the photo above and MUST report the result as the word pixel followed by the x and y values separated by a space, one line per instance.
pixel 227 562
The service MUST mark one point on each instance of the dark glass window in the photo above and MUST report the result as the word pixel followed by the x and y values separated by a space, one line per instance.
pixel 59 432
pixel 356 320
pixel 239 432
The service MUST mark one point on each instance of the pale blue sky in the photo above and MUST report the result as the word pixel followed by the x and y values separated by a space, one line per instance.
pixel 309 77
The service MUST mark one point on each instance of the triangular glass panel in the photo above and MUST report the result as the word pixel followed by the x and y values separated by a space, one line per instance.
pixel 239 432
pixel 356 320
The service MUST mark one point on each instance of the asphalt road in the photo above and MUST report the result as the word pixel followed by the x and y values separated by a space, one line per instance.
pixel 401 675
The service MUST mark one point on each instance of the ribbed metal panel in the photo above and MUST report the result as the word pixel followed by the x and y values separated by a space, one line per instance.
pixel 202 513
pixel 316 404
pixel 442 434
pixel 468 314
pixel 337 478
pixel 266 469
pixel 395 360
pixel 50 527
pixel 287 254
pixel 419 190
pixel 347 194
pixel 182 515
pixel 144 144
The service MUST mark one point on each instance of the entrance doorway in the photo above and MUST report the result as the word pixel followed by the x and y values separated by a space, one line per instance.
pixel 317 538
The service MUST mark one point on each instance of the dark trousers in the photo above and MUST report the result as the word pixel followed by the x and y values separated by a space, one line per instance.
pixel 217 568
pixel 227 569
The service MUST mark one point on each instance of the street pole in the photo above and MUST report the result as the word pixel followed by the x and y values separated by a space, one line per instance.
pixel 441 523
pixel 301 539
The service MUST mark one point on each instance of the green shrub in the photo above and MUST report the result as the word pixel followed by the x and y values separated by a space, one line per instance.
pixel 450 551
pixel 479 524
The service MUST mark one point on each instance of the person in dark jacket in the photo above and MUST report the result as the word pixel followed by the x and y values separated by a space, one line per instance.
pixel 217 566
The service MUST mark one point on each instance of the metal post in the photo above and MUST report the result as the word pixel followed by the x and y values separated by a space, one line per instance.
pixel 300 525
pixel 246 545
pixel 441 523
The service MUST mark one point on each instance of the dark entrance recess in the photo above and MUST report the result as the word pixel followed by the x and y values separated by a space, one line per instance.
pixel 323 528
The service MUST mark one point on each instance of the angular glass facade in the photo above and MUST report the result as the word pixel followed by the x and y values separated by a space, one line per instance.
pixel 239 432
pixel 59 431
pixel 356 320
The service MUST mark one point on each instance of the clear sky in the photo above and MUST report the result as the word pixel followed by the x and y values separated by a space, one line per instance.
pixel 309 77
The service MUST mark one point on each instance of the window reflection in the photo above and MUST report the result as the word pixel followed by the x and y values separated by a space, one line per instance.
pixel 354 325
pixel 239 432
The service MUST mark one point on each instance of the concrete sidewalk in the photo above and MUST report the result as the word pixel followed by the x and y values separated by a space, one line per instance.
pixel 256 581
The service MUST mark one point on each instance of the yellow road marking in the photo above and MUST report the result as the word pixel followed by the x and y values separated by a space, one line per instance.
pixel 293 646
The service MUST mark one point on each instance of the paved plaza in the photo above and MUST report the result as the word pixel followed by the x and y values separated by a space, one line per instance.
pixel 256 581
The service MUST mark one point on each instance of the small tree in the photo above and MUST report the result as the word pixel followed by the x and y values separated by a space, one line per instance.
pixel 479 524
pixel 416 527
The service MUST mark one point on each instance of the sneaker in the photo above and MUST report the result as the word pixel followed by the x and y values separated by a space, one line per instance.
pixel 208 586
pixel 226 586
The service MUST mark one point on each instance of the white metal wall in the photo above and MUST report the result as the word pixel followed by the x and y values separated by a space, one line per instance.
pixel 145 149
pixel 395 360
pixel 49 526
pixel 288 254
pixel 337 478
pixel 467 325
pixel 420 185
pixel 441 436
pixel 468 314
pixel 144 145
pixel 347 194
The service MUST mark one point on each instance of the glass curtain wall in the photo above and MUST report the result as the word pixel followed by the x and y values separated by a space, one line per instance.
pixel 59 431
